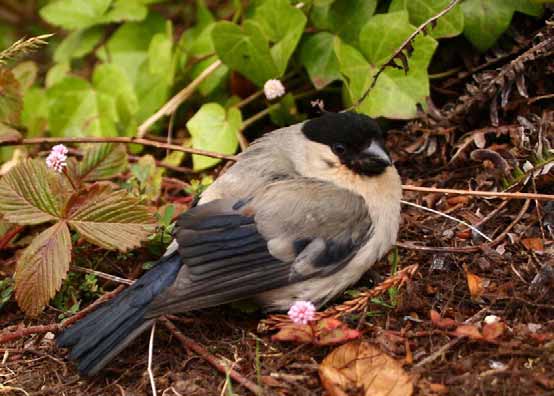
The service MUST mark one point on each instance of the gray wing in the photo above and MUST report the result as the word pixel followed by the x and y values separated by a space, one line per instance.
pixel 290 231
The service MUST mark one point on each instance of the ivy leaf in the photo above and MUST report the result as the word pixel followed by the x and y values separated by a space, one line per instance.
pixel 31 194
pixel 486 20
pixel 78 44
pixel 42 267
pixel 396 93
pixel 34 116
pixel 284 25
pixel 76 109
pixel 214 129
pixel 10 97
pixel 110 219
pixel 126 10
pixel 74 14
pixel 317 54
pixel 215 80
pixel 128 46
pixel 449 25
pixel 245 50
pixel 102 161
pixel 344 18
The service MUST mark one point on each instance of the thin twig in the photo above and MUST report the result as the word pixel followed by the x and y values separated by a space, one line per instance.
pixel 173 103
pixel 188 343
pixel 404 45
pixel 503 195
pixel 120 139
pixel 102 275
pixel 150 353
pixel 447 216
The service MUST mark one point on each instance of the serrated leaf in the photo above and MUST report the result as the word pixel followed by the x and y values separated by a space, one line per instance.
pixel 149 177
pixel 245 49
pixel 74 14
pixel 284 25
pixel 11 101
pixel 31 194
pixel 449 25
pixel 42 267
pixel 102 161
pixel 214 129
pixel 110 219
pixel 317 54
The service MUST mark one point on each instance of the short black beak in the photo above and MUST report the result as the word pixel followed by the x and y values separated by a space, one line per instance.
pixel 377 154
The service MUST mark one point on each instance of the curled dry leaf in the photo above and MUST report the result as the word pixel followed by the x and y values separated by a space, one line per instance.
pixel 535 244
pixel 475 285
pixel 359 368
pixel 469 331
pixel 328 331
pixel 491 331
pixel 442 323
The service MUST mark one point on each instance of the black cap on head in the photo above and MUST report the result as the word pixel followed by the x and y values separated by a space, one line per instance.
pixel 356 140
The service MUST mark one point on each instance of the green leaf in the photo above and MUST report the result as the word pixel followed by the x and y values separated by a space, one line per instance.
pixel 449 25
pixel 317 54
pixel 11 101
pixel 284 25
pixel 75 14
pixel 57 73
pixel 102 161
pixel 128 46
pixel 286 112
pixel 214 80
pixel 76 109
pixel 78 44
pixel 214 129
pixel 149 177
pixel 110 219
pixel 126 10
pixel 42 267
pixel 245 50
pixel 8 134
pixel 34 116
pixel 343 17
pixel 31 194
pixel 112 80
pixel 396 94
pixel 197 41
pixel 486 20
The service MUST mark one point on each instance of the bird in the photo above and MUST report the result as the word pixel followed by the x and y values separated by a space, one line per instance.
pixel 304 212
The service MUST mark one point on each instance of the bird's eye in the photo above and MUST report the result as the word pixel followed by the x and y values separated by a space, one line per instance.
pixel 338 149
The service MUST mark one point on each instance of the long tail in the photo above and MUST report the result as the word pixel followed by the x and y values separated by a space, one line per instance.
pixel 97 338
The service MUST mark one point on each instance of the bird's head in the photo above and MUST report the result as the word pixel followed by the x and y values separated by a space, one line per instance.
pixel 350 139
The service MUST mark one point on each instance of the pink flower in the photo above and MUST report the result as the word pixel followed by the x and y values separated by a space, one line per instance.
pixel 273 89
pixel 302 312
pixel 57 158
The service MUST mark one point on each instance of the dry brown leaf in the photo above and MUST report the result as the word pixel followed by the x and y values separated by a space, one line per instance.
pixel 441 322
pixel 468 331
pixel 535 244
pixel 475 285
pixel 359 368
pixel 491 331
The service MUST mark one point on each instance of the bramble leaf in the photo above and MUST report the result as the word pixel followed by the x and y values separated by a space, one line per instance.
pixel 214 129
pixel 11 101
pixel 31 194
pixel 102 161
pixel 8 134
pixel 110 219
pixel 42 267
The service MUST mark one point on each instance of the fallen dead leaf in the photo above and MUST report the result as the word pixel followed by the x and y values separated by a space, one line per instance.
pixel 328 331
pixel 442 323
pixel 535 244
pixel 491 331
pixel 475 285
pixel 359 368
pixel 468 331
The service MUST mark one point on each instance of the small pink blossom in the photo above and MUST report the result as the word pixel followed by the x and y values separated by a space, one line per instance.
pixel 302 312
pixel 273 89
pixel 57 158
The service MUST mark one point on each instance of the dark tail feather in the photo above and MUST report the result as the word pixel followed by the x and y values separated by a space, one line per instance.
pixel 97 338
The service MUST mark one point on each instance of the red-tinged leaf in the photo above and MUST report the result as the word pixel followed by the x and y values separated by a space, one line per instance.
pixel 32 194
pixel 102 161
pixel 332 331
pixel 469 331
pixel 301 334
pixel 491 331
pixel 42 267
pixel 11 100
pixel 443 323
pixel 8 134
pixel 359 368
pixel 110 219
pixel 535 244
